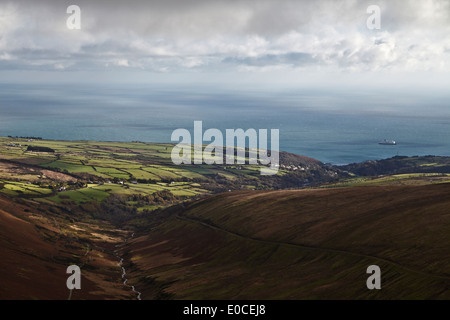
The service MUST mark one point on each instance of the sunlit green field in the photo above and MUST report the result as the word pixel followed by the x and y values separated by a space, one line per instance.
pixel 108 168
pixel 135 168
pixel 19 188
pixel 398 179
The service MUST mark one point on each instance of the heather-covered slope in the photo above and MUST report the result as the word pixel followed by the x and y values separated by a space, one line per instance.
pixel 301 244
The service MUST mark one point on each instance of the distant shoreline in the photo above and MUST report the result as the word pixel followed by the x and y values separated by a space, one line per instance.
pixel 174 143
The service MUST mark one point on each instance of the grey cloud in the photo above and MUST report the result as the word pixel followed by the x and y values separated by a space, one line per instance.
pixel 292 58
pixel 178 35
pixel 191 18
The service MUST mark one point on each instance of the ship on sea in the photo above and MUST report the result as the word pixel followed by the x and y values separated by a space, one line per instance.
pixel 388 142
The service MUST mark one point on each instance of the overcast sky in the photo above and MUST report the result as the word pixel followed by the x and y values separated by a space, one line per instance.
pixel 325 41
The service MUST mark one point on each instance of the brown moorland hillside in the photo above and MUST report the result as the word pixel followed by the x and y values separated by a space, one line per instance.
pixel 300 244
pixel 36 248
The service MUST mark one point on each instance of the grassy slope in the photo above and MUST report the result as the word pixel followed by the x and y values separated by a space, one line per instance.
pixel 304 244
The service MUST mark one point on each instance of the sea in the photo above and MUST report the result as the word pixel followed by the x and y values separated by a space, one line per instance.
pixel 333 126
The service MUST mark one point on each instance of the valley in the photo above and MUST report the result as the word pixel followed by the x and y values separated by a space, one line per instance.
pixel 124 213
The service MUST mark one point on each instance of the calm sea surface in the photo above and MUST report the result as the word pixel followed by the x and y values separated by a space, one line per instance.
pixel 335 129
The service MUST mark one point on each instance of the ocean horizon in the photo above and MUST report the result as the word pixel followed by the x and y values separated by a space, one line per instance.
pixel 310 124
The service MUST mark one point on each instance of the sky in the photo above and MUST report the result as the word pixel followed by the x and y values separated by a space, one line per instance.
pixel 264 43
pixel 161 61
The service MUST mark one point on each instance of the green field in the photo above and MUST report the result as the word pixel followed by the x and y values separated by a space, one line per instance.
pixel 85 171
pixel 398 179
pixel 103 168
pixel 113 159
